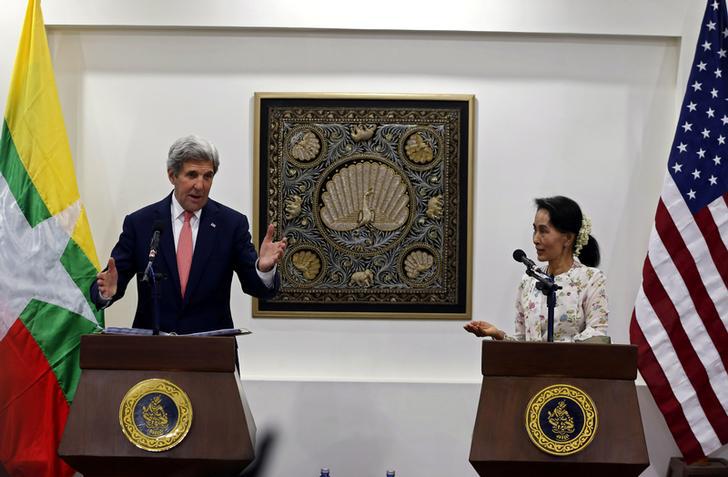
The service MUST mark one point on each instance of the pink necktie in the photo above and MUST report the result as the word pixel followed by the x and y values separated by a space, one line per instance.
pixel 184 252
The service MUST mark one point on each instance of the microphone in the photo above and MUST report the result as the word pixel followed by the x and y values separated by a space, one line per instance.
pixel 520 256
pixel 531 269
pixel 157 228
pixel 545 283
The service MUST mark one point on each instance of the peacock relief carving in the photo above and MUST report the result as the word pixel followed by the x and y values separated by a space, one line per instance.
pixel 305 146
pixel 365 193
pixel 418 150
pixel 307 263
pixel 417 263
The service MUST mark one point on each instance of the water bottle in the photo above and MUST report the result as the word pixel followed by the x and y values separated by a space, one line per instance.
pixel 325 472
pixel 390 473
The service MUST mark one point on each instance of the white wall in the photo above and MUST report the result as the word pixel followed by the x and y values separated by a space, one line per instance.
pixel 573 97
pixel 588 117
pixel 363 428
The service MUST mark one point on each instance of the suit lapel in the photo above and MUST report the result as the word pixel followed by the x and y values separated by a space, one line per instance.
pixel 166 244
pixel 204 244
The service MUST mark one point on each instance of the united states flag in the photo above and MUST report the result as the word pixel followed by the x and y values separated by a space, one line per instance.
pixel 680 318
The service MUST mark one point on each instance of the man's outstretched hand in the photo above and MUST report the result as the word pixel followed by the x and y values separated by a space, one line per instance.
pixel 270 251
pixel 107 280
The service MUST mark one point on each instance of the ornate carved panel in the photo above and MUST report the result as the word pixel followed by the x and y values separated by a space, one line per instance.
pixel 373 193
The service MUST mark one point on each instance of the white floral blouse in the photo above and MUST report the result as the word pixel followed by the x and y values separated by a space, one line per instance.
pixel 581 306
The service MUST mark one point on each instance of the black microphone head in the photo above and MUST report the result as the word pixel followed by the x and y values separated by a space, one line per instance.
pixel 157 228
pixel 158 225
pixel 519 255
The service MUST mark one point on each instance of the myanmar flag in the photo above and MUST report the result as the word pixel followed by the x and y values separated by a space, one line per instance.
pixel 47 263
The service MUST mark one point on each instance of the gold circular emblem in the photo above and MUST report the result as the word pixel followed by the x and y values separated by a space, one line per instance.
pixel 155 415
pixel 561 419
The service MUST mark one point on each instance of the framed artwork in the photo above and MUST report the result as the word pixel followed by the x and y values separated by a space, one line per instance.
pixel 374 195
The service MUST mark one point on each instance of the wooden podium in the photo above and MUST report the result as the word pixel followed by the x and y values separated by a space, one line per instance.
pixel 515 373
pixel 221 437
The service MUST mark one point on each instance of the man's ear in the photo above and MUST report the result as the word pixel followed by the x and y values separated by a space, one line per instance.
pixel 170 175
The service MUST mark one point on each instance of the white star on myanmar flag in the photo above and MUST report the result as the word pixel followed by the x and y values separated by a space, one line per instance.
pixel 30 258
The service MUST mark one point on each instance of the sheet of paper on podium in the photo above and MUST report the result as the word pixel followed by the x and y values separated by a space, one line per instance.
pixel 112 330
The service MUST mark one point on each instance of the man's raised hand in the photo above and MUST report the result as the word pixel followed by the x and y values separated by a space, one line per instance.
pixel 107 280
pixel 270 251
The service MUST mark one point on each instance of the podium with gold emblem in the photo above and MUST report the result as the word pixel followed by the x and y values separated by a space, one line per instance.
pixel 558 409
pixel 158 405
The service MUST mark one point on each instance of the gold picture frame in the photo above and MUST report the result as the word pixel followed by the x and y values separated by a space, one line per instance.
pixel 374 194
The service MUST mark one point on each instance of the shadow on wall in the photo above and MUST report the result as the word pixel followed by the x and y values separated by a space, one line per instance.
pixel 262 452
pixel 517 57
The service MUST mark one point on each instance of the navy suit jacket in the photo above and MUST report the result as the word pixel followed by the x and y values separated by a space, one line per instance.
pixel 223 246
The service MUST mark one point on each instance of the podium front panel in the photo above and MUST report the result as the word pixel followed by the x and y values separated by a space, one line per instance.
pixel 221 436
pixel 514 373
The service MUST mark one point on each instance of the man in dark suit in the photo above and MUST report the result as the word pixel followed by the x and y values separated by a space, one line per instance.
pixel 202 243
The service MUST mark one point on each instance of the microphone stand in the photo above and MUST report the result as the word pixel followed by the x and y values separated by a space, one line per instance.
pixel 150 276
pixel 548 287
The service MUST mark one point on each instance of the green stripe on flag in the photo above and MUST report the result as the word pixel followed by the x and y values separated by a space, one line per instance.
pixel 83 274
pixel 57 332
pixel 26 195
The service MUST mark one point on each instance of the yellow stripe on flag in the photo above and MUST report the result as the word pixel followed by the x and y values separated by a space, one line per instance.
pixel 35 121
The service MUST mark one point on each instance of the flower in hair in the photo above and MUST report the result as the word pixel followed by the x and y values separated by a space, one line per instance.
pixel 583 236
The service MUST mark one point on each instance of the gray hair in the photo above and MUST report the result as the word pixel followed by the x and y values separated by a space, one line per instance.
pixel 191 148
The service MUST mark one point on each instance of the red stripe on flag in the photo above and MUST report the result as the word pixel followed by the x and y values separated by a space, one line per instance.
pixel 711 234
pixel 667 314
pixel 33 410
pixel 685 264
pixel 664 397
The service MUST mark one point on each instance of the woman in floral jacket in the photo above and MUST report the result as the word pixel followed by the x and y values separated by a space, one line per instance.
pixel 562 237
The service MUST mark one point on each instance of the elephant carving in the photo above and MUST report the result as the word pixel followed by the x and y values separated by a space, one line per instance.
pixel 364 278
